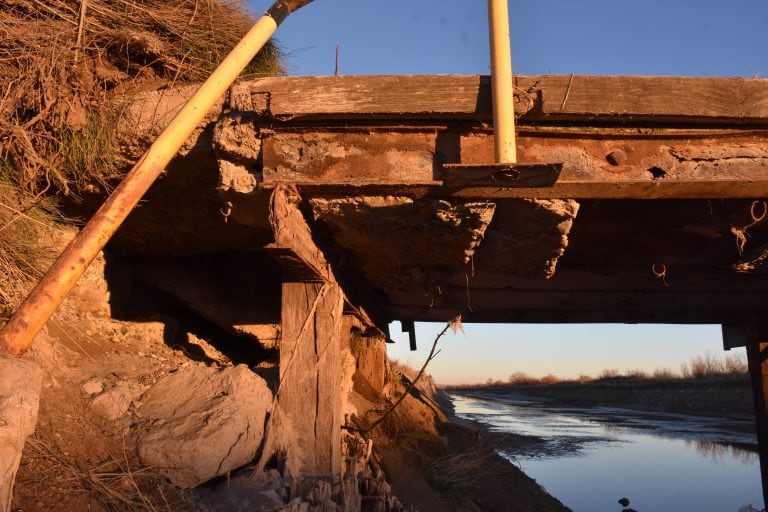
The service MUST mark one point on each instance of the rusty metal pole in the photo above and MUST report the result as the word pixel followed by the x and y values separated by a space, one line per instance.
pixel 24 325
pixel 501 82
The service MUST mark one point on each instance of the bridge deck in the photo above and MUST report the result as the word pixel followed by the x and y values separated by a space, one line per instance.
pixel 658 215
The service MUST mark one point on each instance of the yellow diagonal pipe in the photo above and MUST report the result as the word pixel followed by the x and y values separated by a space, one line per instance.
pixel 501 82
pixel 24 325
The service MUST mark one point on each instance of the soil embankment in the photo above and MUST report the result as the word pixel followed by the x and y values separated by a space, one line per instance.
pixel 106 404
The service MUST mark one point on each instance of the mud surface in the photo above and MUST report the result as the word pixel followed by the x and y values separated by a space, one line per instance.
pixel 729 397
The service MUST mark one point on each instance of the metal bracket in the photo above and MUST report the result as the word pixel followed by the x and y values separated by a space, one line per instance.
pixel 501 175
pixel 409 326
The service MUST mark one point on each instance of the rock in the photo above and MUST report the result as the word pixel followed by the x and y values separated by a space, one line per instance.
pixel 93 387
pixel 203 422
pixel 114 403
pixel 20 383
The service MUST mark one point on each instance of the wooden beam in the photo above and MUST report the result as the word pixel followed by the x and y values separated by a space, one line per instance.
pixel 550 315
pixel 548 98
pixel 678 189
pixel 293 246
pixel 307 426
pixel 757 354
pixel 623 189
pixel 512 305
pixel 663 298
pixel 295 249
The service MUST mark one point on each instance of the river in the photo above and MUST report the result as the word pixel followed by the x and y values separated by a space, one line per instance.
pixel 589 457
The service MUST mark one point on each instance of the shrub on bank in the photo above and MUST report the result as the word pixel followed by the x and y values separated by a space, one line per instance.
pixel 700 367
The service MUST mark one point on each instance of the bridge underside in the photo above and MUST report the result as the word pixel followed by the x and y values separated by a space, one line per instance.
pixel 658 215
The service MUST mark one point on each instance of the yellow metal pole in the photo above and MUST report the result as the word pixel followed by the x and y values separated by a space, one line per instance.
pixel 501 82
pixel 24 325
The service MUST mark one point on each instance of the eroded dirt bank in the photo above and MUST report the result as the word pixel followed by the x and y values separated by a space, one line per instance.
pixel 168 413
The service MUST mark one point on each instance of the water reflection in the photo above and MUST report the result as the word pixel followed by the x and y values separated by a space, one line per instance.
pixel 588 457
pixel 720 452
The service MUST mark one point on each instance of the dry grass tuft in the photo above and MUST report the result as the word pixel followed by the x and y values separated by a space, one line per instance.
pixel 27 232
pixel 456 474
pixel 59 62
pixel 112 484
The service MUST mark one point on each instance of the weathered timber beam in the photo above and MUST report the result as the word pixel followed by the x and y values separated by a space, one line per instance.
pixel 548 98
pixel 739 334
pixel 678 189
pixel 293 246
pixel 308 409
pixel 665 298
pixel 641 189
pixel 618 165
pixel 295 249
pixel 609 278
pixel 552 306
pixel 585 315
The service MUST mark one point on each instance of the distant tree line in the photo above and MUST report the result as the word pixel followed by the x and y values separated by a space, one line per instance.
pixel 705 366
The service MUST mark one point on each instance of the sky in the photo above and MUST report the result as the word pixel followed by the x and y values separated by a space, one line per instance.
pixel 601 37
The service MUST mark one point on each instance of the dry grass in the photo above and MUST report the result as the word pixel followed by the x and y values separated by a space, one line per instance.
pixel 58 64
pixel 709 365
pixel 699 367
pixel 65 74
pixel 111 484
pixel 27 231
pixel 456 474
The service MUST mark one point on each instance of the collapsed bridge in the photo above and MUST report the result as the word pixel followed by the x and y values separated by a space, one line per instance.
pixel 306 214
pixel 658 215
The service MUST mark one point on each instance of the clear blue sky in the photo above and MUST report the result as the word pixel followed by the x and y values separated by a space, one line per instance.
pixel 630 37
pixel 623 37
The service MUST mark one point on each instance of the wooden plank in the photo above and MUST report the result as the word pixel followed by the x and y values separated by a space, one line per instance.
pixel 664 298
pixel 587 189
pixel 538 98
pixel 553 316
pixel 665 305
pixel 300 257
pixel 293 246
pixel 660 99
pixel 373 96
pixel 630 189
pixel 308 412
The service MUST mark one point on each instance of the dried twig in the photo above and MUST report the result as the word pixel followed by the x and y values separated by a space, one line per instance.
pixel 454 324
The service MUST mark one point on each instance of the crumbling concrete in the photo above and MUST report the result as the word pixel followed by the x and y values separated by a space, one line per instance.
pixel 388 235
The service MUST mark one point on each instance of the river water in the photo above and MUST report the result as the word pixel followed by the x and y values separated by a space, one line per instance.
pixel 589 457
